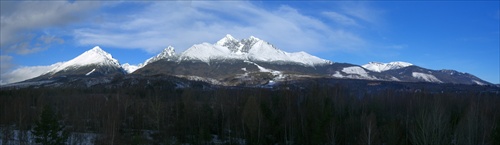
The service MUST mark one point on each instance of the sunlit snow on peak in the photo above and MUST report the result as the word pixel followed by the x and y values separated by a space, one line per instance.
pixel 380 67
pixel 167 53
pixel 252 48
pixel 227 39
pixel 95 56
pixel 130 68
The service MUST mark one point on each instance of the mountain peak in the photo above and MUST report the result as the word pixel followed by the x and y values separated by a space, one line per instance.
pixel 380 67
pixel 94 56
pixel 254 38
pixel 229 36
pixel 97 51
pixel 400 63
pixel 228 39
pixel 251 49
pixel 167 53
pixel 97 48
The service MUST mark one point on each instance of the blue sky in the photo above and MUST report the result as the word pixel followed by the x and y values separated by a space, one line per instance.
pixel 460 35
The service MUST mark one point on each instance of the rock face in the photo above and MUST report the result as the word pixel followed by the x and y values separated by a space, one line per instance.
pixel 250 61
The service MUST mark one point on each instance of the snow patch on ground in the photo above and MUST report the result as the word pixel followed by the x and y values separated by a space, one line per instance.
pixel 261 69
pixel 95 81
pixel 90 72
pixel 277 74
pixel 26 137
pixel 478 82
pixel 198 78
pixel 337 75
pixel 380 67
pixel 425 77
pixel 357 72
pixel 395 79
pixel 353 72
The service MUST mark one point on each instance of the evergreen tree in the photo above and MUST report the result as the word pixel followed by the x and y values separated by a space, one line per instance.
pixel 48 130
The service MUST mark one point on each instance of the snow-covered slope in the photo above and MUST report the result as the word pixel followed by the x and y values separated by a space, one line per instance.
pixel 130 68
pixel 380 67
pixel 206 52
pixel 167 53
pixel 354 72
pixel 251 49
pixel 94 56
pixel 426 77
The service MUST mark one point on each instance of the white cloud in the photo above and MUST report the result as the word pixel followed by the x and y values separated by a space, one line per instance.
pixel 5 63
pixel 347 41
pixel 341 19
pixel 22 20
pixel 24 73
pixel 363 11
pixel 182 24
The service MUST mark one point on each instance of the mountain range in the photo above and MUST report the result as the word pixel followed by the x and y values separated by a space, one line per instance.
pixel 249 62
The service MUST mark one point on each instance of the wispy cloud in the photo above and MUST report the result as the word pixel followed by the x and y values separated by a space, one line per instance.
pixel 341 19
pixel 363 11
pixel 24 73
pixel 6 63
pixel 25 26
pixel 183 24
pixel 21 21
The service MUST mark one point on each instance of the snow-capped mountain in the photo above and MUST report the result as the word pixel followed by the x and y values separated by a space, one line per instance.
pixel 230 61
pixel 130 68
pixel 380 67
pixel 250 61
pixel 167 53
pixel 94 56
pixel 419 74
pixel 251 49
pixel 92 62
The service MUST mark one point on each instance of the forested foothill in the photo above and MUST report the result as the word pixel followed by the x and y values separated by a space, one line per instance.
pixel 301 112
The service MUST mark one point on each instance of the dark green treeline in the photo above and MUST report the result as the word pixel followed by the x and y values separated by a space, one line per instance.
pixel 314 115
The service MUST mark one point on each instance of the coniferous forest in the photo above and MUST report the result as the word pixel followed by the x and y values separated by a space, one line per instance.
pixel 316 114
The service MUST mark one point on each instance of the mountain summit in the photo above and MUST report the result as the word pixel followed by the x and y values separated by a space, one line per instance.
pixel 250 49
pixel 94 56
pixel 167 53
pixel 92 62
